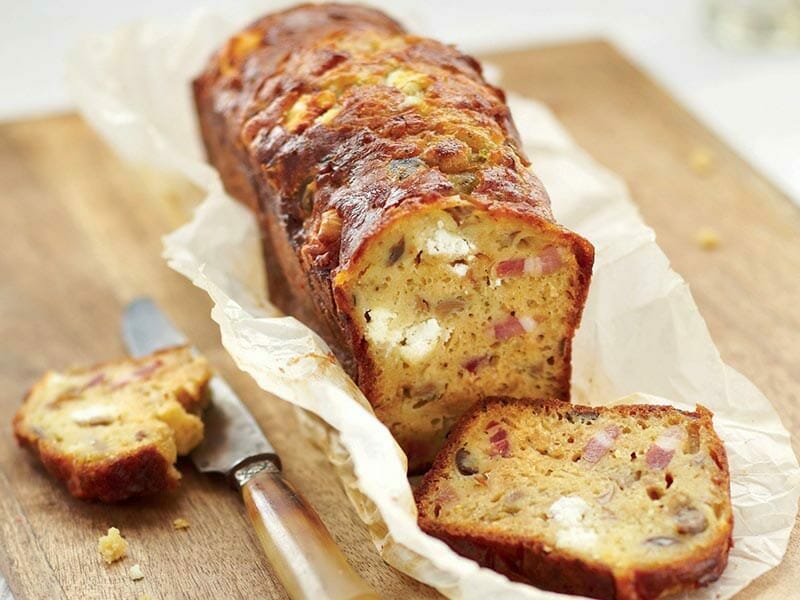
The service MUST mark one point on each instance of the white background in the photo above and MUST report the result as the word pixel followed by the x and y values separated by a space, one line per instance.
pixel 751 99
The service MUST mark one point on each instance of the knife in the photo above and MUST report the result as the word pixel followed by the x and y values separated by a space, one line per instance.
pixel 304 555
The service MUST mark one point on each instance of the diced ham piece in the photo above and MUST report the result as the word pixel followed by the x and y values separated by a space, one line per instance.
pixel 498 440
pixel 500 448
pixel 548 261
pixel 663 449
pixel 513 326
pixel 476 362
pixel 498 435
pixel 96 380
pixel 147 370
pixel 658 458
pixel 141 373
pixel 511 267
pixel 600 443
pixel 446 494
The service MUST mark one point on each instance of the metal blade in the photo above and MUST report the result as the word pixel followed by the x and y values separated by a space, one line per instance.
pixel 231 433
pixel 146 329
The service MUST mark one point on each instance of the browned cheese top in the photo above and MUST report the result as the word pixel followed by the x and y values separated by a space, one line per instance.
pixel 348 119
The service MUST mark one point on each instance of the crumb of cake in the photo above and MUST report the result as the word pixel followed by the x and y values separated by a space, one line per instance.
pixel 707 238
pixel 180 524
pixel 145 597
pixel 136 572
pixel 702 160
pixel 112 546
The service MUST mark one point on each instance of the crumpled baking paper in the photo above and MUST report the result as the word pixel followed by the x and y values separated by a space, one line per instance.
pixel 641 330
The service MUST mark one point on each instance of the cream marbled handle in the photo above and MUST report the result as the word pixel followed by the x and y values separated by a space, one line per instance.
pixel 304 555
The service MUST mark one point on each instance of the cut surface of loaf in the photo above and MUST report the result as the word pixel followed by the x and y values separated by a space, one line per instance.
pixel 627 502
pixel 399 217
pixel 115 430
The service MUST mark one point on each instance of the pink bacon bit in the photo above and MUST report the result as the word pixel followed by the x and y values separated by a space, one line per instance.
pixel 446 495
pixel 510 267
pixel 141 373
pixel 473 364
pixel 513 326
pixel 96 380
pixel 663 449
pixel 498 440
pixel 147 370
pixel 548 261
pixel 600 443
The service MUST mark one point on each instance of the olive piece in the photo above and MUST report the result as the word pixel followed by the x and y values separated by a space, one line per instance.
pixel 401 168
pixel 465 462
pixel 463 183
pixel 583 415
pixel 690 520
pixel 662 541
pixel 460 212
pixel 396 251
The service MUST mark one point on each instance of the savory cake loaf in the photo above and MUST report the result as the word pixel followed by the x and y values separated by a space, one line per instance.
pixel 399 217
pixel 114 430
pixel 628 502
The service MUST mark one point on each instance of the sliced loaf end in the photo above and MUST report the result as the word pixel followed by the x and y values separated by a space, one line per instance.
pixel 618 502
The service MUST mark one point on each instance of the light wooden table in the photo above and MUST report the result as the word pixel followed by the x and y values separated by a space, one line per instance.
pixel 80 237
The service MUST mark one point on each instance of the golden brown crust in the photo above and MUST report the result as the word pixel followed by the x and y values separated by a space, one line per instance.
pixel 229 102
pixel 120 474
pixel 139 473
pixel 531 561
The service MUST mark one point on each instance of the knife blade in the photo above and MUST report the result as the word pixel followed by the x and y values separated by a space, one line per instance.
pixel 305 557
pixel 231 433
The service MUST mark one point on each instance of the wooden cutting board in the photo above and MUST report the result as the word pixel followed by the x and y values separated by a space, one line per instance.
pixel 80 237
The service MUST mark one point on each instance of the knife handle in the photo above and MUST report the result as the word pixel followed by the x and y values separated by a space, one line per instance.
pixel 304 555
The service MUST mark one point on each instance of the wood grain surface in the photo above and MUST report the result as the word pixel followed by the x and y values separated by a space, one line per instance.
pixel 81 237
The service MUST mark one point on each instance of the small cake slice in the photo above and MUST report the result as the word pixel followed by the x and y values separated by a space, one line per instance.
pixel 114 430
pixel 625 502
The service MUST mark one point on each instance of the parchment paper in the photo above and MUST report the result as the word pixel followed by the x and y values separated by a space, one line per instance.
pixel 641 330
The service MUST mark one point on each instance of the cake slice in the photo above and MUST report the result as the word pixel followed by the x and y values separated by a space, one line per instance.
pixel 626 502
pixel 114 430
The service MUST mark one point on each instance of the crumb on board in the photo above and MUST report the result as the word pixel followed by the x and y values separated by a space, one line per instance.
pixel 112 546
pixel 707 238
pixel 145 597
pixel 702 160
pixel 180 524
pixel 136 572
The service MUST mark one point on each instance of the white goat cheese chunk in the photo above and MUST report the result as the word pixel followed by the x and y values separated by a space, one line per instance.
pixel 528 324
pixel 94 414
pixel 459 269
pixel 568 513
pixel 420 340
pixel 444 243
pixel 577 538
pixel 413 341
pixel 381 329
pixel 568 510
